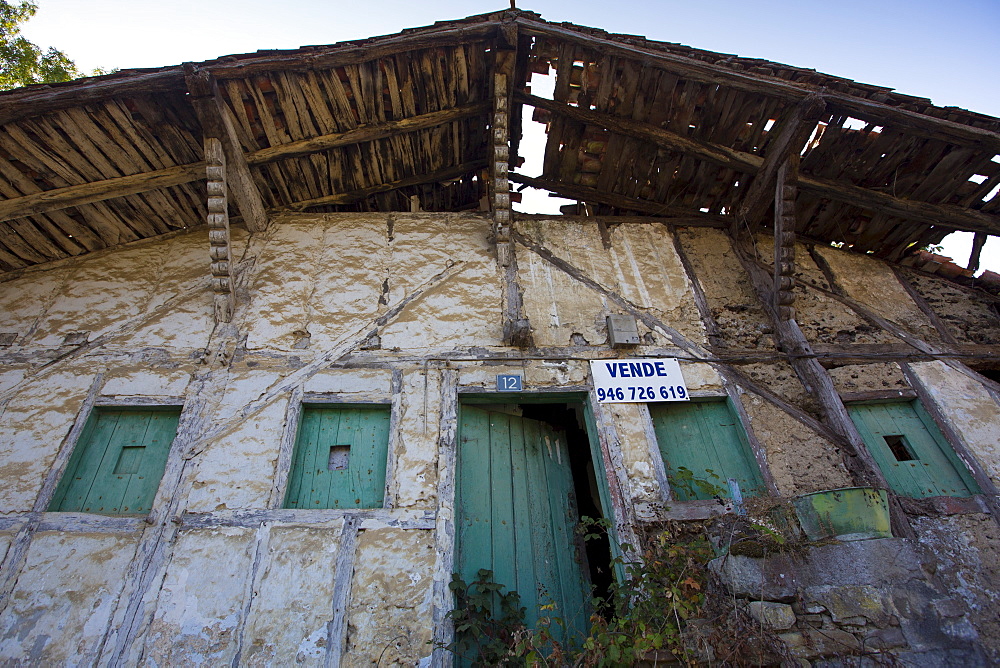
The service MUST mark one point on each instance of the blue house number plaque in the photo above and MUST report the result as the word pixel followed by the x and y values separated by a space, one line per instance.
pixel 509 382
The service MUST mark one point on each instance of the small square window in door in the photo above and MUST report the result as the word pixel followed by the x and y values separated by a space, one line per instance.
pixel 340 458
pixel 911 451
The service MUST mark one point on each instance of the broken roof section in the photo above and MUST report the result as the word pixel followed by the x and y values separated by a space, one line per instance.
pixel 635 127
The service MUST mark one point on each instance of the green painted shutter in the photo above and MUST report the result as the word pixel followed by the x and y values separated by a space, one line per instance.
pixel 706 438
pixel 340 458
pixel 517 515
pixel 117 464
pixel 923 463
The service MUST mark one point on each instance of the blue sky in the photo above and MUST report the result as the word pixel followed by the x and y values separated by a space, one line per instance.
pixel 946 51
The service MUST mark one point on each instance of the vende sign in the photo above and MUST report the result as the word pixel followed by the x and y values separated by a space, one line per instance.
pixel 638 380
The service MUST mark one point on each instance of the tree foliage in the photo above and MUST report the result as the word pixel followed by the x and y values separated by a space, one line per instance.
pixel 22 62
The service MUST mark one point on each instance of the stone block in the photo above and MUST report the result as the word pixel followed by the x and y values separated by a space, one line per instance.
pixel 888 638
pixel 771 579
pixel 776 615
pixel 814 643
pixel 853 604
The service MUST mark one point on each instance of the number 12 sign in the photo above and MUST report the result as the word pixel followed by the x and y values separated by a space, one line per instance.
pixel 638 380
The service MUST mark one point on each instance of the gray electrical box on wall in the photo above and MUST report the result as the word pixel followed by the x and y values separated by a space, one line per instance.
pixel 622 331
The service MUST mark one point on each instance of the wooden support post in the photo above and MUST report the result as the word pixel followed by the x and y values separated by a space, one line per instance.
pixel 978 241
pixel 517 329
pixel 217 123
pixel 218 231
pixel 784 240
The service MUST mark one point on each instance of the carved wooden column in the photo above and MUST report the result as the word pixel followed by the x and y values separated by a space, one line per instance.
pixel 784 239
pixel 517 329
pixel 218 230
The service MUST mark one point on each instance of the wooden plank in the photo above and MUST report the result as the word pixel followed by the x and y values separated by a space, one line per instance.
pixel 96 191
pixel 585 194
pixel 793 133
pixel 351 197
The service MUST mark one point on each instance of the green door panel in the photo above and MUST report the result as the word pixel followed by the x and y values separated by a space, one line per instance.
pixel 923 464
pixel 516 515
pixel 706 438
pixel 340 458
pixel 117 464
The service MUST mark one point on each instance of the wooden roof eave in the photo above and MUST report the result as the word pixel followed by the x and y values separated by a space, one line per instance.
pixel 943 215
pixel 916 123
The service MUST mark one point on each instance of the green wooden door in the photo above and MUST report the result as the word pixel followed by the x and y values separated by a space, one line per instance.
pixel 517 515
pixel 340 458
pixel 706 438
pixel 117 464
pixel 913 455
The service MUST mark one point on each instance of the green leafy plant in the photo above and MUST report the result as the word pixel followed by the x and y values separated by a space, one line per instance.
pixel 490 627
pixel 650 608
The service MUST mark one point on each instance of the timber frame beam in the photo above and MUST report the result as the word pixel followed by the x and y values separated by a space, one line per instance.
pixel 940 215
pixel 447 174
pixel 217 124
pixel 587 194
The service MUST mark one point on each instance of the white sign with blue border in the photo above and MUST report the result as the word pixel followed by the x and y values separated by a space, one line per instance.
pixel 638 380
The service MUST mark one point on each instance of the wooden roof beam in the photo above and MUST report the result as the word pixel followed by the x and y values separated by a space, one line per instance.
pixel 791 137
pixel 217 124
pixel 923 125
pixel 446 174
pixel 97 191
pixel 586 194
pixel 940 215
pixel 365 133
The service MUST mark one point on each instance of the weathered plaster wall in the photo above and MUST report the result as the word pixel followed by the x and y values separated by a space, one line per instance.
pixel 64 598
pixel 970 315
pixel 200 604
pixel 31 432
pixel 236 577
pixel 292 596
pixel 801 461
pixel 154 293
pixel 639 265
pixel 390 598
pixel 820 317
pixel 330 276
pixel 730 295
pixel 869 377
pixel 873 284
pixel 970 409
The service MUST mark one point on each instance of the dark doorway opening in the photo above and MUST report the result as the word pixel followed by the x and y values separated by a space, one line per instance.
pixel 569 419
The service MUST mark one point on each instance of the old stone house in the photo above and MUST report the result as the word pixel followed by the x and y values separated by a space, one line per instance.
pixel 277 357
